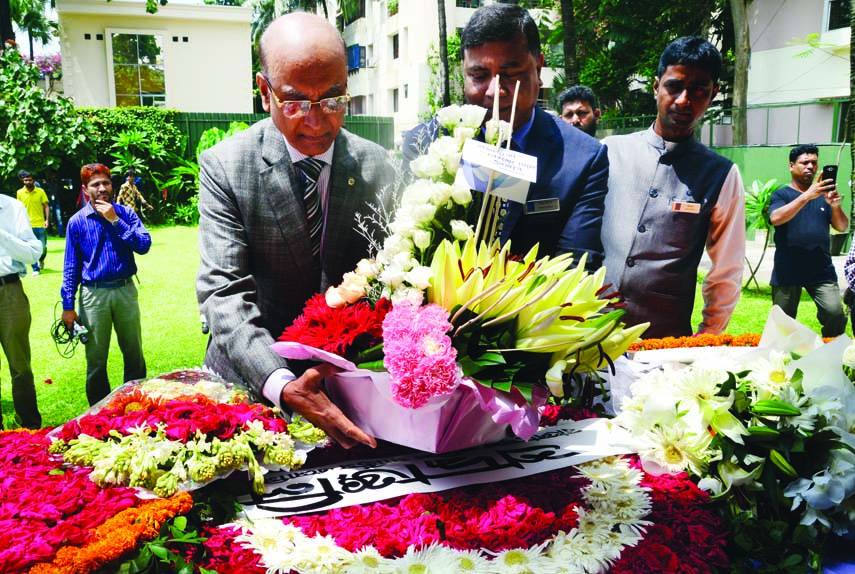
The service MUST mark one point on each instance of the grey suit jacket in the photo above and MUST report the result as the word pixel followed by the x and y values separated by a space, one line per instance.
pixel 256 269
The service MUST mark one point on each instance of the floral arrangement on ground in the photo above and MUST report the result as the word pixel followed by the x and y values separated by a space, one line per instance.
pixel 768 432
pixel 607 516
pixel 179 431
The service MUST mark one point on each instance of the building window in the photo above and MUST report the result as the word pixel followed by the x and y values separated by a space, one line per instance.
pixel 838 14
pixel 355 57
pixel 395 101
pixel 138 70
pixel 396 47
pixel 357 106
pixel 406 91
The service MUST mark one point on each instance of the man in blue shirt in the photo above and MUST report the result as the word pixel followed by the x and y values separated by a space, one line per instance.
pixel 801 213
pixel 101 240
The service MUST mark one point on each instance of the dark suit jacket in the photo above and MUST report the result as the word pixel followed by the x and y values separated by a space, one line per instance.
pixel 573 168
pixel 256 269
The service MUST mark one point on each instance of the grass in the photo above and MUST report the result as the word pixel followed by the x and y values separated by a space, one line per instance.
pixel 171 332
pixel 172 338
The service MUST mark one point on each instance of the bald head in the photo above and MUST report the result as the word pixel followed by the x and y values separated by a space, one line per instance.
pixel 303 60
pixel 299 34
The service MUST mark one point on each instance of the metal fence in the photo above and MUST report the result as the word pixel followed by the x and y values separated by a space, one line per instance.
pixel 374 128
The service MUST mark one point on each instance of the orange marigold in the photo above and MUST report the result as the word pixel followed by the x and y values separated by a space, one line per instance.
pixel 117 536
pixel 704 340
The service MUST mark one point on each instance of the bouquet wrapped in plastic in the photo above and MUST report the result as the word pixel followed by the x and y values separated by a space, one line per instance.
pixel 450 341
pixel 180 431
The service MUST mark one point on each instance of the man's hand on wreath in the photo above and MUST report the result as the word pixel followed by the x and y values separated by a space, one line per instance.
pixel 305 396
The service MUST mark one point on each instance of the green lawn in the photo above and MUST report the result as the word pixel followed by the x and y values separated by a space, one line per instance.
pixel 172 338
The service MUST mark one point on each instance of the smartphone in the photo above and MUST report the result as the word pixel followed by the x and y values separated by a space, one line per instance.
pixel 829 172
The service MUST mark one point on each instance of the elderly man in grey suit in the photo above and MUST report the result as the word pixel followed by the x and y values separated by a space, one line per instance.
pixel 277 205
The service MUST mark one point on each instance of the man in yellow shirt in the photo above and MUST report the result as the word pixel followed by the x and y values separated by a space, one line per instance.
pixel 36 202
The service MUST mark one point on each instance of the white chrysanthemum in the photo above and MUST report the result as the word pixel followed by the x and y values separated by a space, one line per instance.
pixel 270 534
pixel 320 555
pixel 469 562
pixel 769 374
pixel 523 561
pixel 461 230
pixel 369 561
pixel 425 561
pixel 672 450
pixel 427 166
pixel 579 553
pixel 805 421
pixel 699 383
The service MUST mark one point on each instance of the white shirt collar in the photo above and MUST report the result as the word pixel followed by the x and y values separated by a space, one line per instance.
pixel 296 156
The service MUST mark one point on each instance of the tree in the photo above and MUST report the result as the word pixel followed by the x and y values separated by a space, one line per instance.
pixel 30 15
pixel 39 131
pixel 742 57
pixel 6 30
pixel 571 65
pixel 443 54
pixel 618 43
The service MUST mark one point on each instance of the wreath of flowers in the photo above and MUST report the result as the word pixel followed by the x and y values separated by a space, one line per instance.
pixel 588 528
pixel 175 433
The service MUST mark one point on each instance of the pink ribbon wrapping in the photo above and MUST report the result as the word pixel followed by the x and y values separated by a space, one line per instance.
pixel 472 415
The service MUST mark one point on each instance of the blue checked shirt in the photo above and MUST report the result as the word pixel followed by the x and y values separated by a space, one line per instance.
pixel 97 250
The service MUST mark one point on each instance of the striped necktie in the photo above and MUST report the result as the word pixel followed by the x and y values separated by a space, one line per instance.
pixel 310 169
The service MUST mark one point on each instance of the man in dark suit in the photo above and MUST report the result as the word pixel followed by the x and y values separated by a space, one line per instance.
pixel 564 208
pixel 265 246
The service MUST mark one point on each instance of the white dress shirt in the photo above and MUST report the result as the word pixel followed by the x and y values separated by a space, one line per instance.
pixel 18 246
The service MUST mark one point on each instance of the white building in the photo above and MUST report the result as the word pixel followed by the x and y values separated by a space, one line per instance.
pixel 189 57
pixel 388 55
pixel 799 53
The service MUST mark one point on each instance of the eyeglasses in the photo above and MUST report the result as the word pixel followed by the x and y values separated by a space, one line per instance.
pixel 300 108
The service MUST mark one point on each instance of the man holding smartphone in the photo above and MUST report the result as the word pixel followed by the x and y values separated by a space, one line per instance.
pixel 801 213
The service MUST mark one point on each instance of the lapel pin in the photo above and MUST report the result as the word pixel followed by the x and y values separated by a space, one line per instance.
pixel 351 181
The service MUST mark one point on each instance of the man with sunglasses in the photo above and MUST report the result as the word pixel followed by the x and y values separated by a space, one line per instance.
pixel 277 205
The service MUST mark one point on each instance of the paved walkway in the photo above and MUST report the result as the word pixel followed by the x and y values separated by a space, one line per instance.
pixel 754 248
